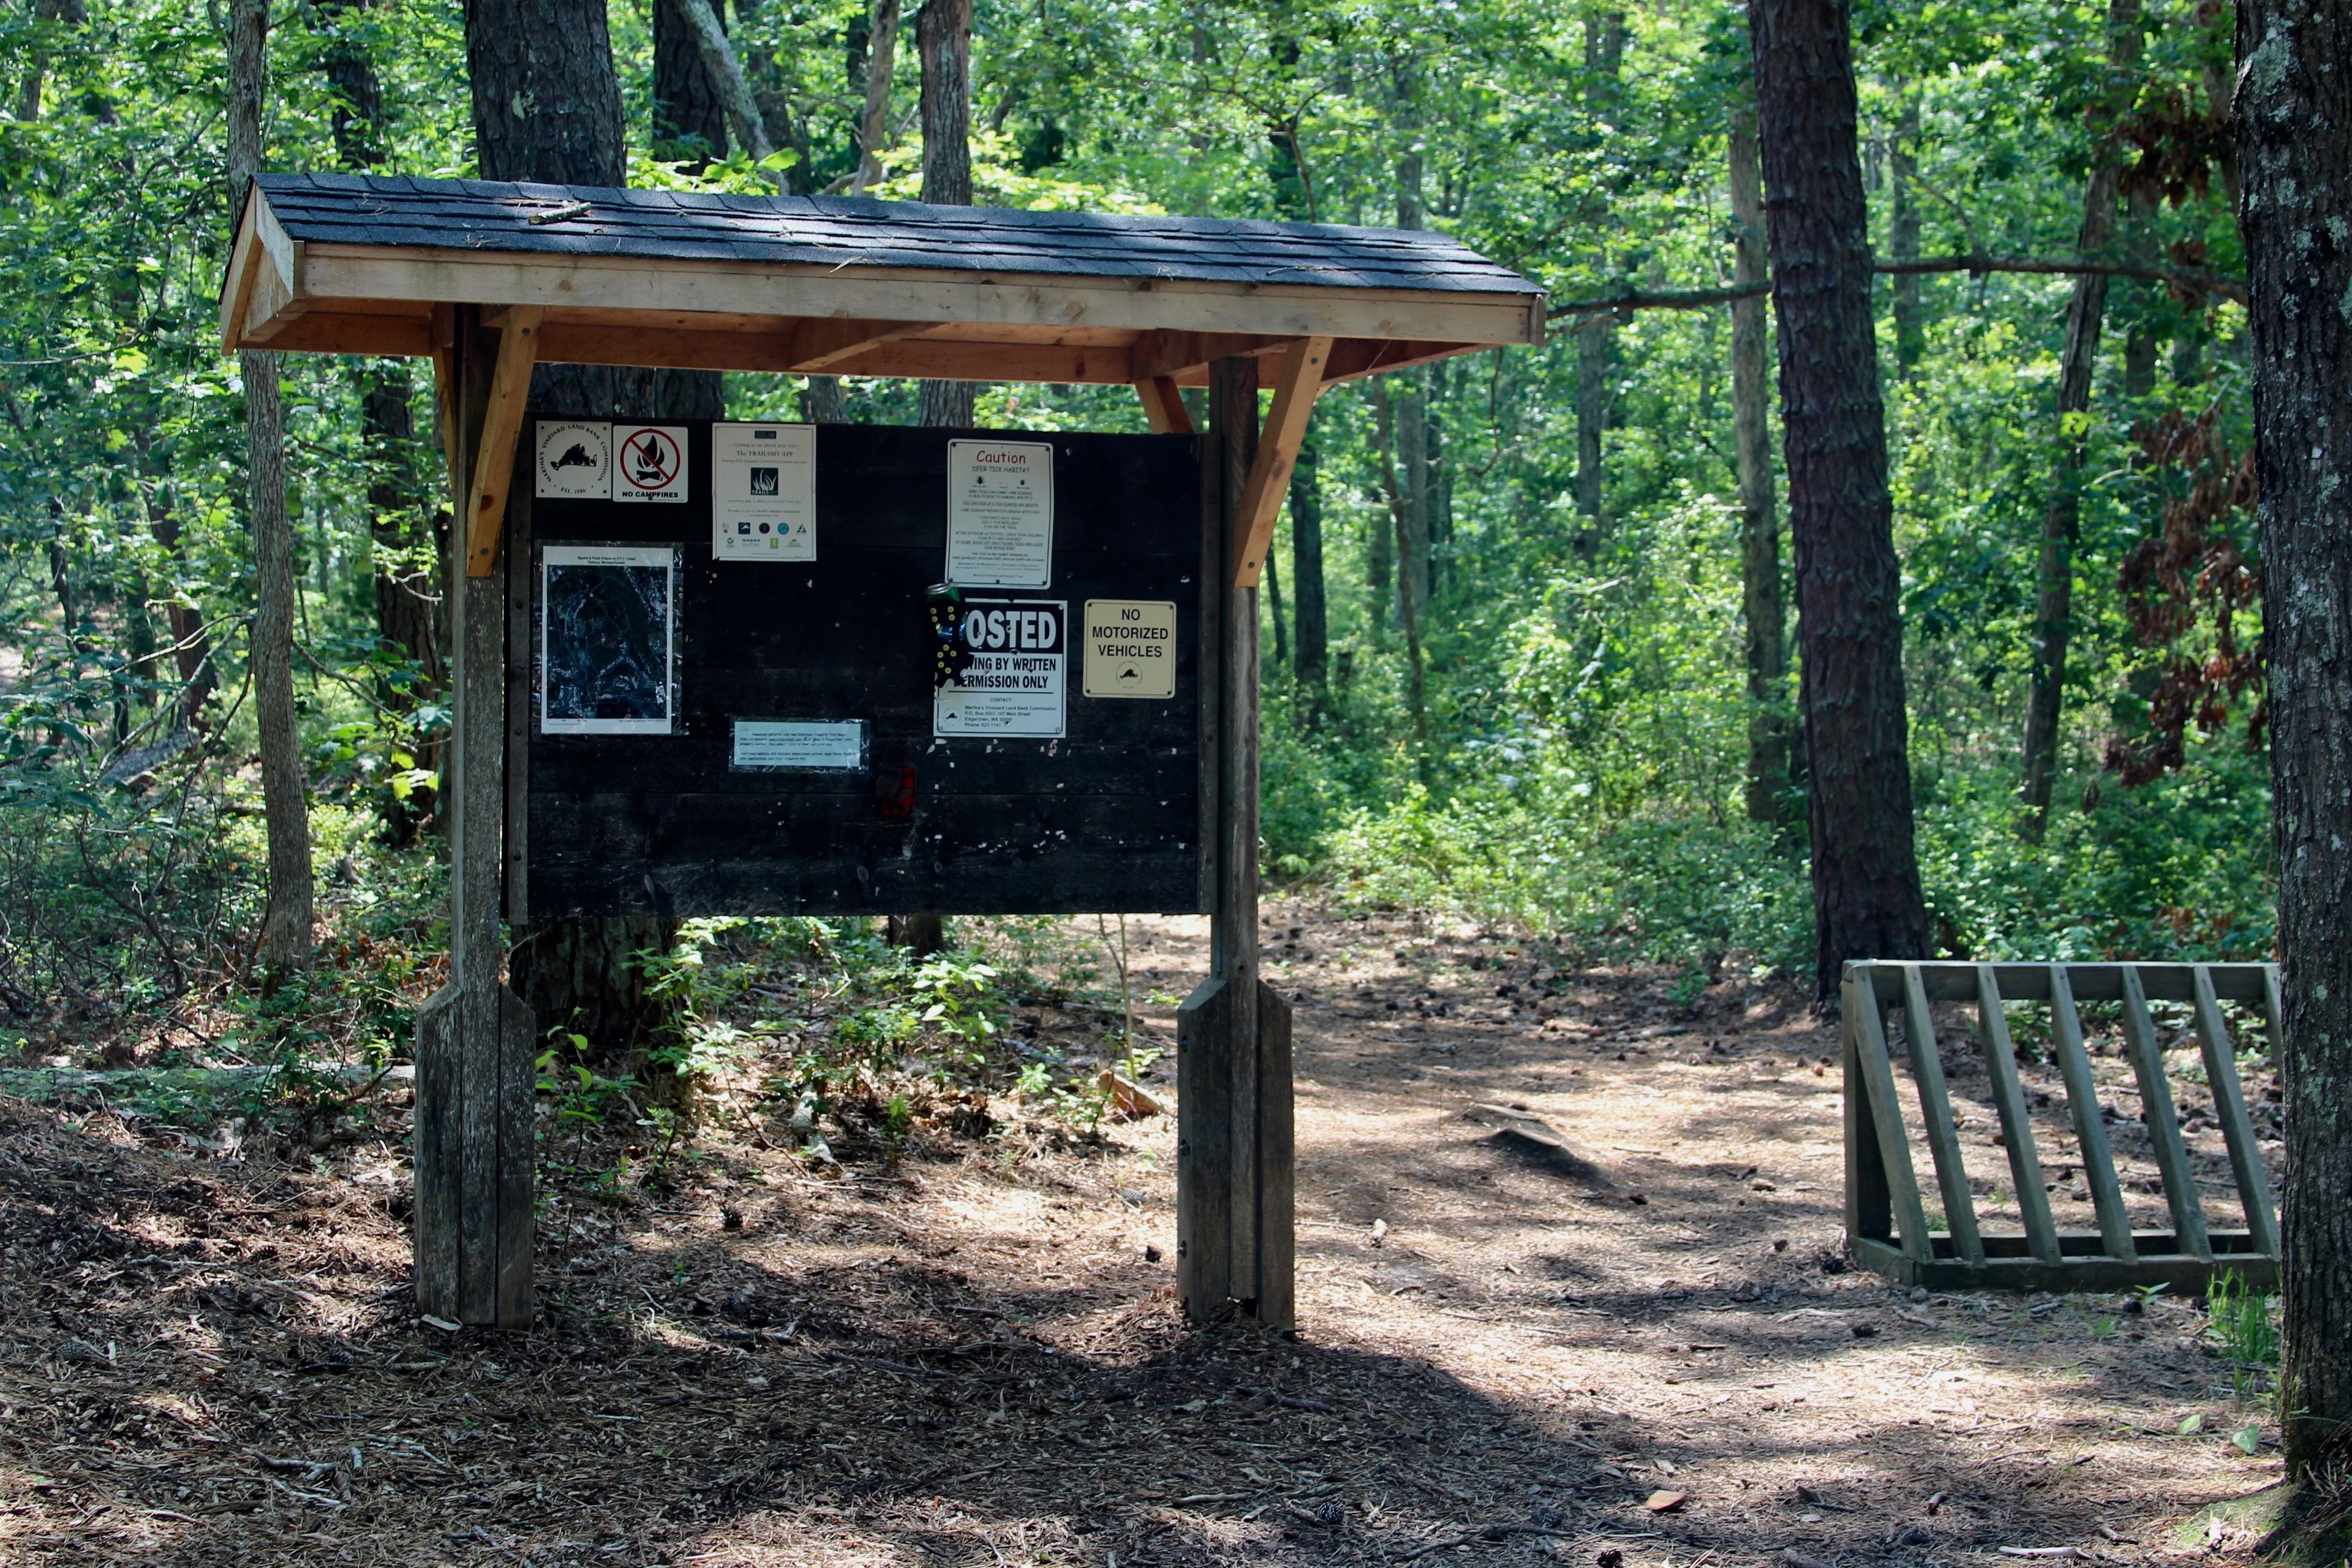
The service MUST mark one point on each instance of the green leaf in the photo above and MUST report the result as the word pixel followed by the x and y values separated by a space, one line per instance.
pixel 2191 1425
pixel 2250 1438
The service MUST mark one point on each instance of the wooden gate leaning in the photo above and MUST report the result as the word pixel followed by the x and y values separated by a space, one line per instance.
pixel 1887 1222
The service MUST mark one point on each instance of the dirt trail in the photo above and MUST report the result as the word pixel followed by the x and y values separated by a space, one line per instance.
pixel 974 1356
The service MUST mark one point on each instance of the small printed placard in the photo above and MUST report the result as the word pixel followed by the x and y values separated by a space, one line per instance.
pixel 649 463
pixel 1001 514
pixel 763 492
pixel 1131 649
pixel 575 460
pixel 830 745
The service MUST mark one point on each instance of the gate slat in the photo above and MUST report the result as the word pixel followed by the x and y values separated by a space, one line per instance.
pixel 1886 1120
pixel 2163 1124
pixel 2016 1124
pixel 2237 1127
pixel 1935 1110
pixel 2090 1132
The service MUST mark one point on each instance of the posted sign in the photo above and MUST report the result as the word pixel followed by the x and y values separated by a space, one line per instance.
pixel 1131 649
pixel 1016 685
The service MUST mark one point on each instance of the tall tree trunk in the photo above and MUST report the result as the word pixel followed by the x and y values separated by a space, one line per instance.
pixel 2140 339
pixel 1313 640
pixel 943 39
pixel 874 121
pixel 1274 610
pixel 1866 896
pixel 1604 56
pixel 1404 392
pixel 2294 118
pixel 404 533
pixel 1379 539
pixel 288 916
pixel 689 117
pixel 2062 521
pixel 1759 523
pixel 554 59
pixel 1903 223
pixel 1408 613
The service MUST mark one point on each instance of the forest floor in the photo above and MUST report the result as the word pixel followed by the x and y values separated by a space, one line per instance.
pixel 971 1354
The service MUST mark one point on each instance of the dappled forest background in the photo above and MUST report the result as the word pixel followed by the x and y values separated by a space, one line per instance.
pixel 1508 663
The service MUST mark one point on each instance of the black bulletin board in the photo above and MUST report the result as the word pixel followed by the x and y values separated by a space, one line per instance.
pixel 622 816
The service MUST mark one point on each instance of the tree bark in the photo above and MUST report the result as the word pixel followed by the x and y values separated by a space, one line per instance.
pixel 2293 115
pixel 1759 523
pixel 1313 641
pixel 2061 522
pixel 286 917
pixel 1604 54
pixel 722 75
pixel 1903 223
pixel 943 39
pixel 554 59
pixel 873 122
pixel 689 113
pixel 1866 896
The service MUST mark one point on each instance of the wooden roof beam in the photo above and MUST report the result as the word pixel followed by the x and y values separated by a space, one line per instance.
pixel 1163 405
pixel 1295 391
pixel 485 504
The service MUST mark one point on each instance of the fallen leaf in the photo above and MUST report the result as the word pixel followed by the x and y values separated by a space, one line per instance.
pixel 444 1324
pixel 1665 1501
pixel 2249 1438
pixel 2191 1425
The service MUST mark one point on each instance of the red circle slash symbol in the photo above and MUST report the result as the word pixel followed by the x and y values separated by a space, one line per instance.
pixel 652 460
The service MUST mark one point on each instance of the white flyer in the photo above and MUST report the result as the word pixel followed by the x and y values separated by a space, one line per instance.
pixel 1001 514
pixel 763 492
pixel 649 463
pixel 1017 683
pixel 575 460
pixel 1131 649
pixel 830 745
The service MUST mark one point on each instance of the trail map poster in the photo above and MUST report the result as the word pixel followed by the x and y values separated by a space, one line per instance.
pixel 608 639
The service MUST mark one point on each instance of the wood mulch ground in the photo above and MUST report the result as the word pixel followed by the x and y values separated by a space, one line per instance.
pixel 972 1355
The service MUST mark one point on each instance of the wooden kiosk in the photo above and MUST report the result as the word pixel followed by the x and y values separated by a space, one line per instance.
pixel 489 280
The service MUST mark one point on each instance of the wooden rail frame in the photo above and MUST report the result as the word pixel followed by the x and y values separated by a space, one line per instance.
pixel 1886 1219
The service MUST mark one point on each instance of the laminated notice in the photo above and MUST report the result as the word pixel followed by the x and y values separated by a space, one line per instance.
pixel 1017 684
pixel 763 492
pixel 1001 514
pixel 830 745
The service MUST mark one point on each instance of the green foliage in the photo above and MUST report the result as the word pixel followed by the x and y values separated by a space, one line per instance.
pixel 2241 1325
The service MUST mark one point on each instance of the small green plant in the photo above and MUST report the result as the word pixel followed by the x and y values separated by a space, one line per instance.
pixel 2238 1319
pixel 579 1093
pixel 960 1005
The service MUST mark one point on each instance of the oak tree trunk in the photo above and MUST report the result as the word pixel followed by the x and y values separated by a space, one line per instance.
pixel 874 121
pixel 1902 235
pixel 1866 896
pixel 689 117
pixel 1769 725
pixel 1604 56
pixel 286 917
pixel 943 39
pixel 2294 116
pixel 2061 522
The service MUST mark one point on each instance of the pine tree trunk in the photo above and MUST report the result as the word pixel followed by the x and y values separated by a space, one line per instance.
pixel 1759 523
pixel 554 57
pixel 943 39
pixel 1903 226
pixel 689 117
pixel 2294 145
pixel 288 916
pixel 2061 522
pixel 1866 896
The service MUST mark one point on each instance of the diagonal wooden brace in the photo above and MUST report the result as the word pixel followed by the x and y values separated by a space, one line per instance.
pixel 1295 391
pixel 1163 405
pixel 486 503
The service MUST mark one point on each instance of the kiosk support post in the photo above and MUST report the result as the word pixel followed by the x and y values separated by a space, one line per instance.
pixel 1234 1149
pixel 473 1037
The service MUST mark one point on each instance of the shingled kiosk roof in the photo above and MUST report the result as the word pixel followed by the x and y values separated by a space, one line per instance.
pixel 842 285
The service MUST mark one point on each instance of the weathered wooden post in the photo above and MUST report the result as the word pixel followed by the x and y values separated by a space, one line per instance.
pixel 1234 1151
pixel 475 1038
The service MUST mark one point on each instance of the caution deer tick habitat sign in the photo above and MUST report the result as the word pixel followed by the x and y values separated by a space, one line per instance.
pixel 1131 649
